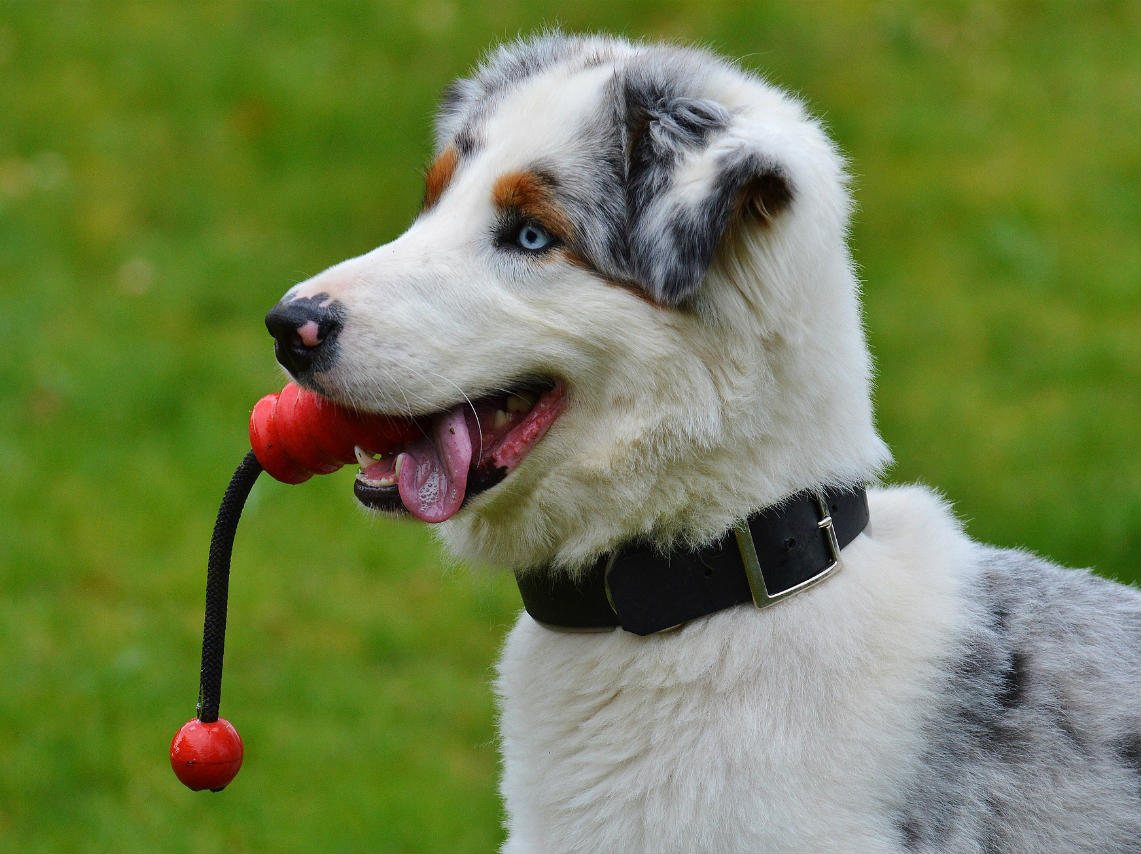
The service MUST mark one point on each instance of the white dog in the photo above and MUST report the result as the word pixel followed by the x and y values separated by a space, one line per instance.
pixel 627 324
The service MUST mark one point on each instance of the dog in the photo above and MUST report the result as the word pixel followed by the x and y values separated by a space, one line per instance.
pixel 627 328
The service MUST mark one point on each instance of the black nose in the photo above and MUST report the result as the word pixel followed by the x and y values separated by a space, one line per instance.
pixel 305 333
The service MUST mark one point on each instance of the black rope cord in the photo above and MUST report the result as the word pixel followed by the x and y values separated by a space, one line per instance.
pixel 218 586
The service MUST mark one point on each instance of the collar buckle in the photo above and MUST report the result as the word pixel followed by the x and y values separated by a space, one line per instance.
pixel 762 598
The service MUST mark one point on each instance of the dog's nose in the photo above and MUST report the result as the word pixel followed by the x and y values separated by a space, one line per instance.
pixel 305 332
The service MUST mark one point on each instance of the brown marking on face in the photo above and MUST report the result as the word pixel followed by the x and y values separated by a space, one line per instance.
pixel 532 196
pixel 439 175
pixel 636 290
pixel 632 288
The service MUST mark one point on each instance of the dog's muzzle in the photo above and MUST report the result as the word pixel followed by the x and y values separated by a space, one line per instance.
pixel 305 333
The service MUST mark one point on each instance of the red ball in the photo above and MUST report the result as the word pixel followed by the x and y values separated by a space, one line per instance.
pixel 206 756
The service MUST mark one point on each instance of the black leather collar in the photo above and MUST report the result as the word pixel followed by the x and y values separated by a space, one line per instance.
pixel 778 551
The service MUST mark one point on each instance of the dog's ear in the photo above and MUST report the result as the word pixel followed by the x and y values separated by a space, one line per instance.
pixel 689 180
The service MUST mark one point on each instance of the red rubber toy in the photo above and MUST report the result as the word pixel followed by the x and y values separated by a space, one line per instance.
pixel 296 434
pixel 206 755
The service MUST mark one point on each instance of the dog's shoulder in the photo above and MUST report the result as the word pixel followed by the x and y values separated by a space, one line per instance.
pixel 1032 714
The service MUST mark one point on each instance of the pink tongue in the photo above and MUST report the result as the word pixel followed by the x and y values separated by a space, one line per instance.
pixel 433 477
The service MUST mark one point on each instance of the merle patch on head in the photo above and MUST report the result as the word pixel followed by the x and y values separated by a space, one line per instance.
pixel 673 236
pixel 636 217
pixel 468 101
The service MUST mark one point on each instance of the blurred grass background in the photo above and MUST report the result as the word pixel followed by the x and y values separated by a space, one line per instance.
pixel 167 170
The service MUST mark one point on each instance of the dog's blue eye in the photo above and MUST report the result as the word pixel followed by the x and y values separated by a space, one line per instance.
pixel 533 238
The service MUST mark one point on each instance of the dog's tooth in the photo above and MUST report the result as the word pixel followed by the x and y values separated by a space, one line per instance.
pixel 501 418
pixel 520 402
pixel 399 464
pixel 364 458
pixel 375 481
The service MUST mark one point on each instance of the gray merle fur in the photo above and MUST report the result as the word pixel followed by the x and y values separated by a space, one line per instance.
pixel 1033 744
pixel 617 192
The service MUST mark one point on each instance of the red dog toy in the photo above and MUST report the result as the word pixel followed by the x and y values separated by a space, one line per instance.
pixel 297 434
pixel 294 435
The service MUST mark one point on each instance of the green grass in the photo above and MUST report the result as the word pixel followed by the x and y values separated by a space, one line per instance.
pixel 168 169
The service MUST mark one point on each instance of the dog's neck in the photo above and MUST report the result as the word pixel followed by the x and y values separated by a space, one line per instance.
pixel 777 552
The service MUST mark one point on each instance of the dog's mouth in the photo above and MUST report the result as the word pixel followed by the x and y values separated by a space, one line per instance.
pixel 459 452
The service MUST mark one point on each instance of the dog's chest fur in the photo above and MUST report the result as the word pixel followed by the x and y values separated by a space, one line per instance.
pixel 746 731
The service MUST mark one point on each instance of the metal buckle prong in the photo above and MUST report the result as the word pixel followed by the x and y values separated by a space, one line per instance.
pixel 826 525
pixel 761 596
pixel 606 581
pixel 610 597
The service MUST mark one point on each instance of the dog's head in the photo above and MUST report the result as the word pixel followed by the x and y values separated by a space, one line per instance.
pixel 625 309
